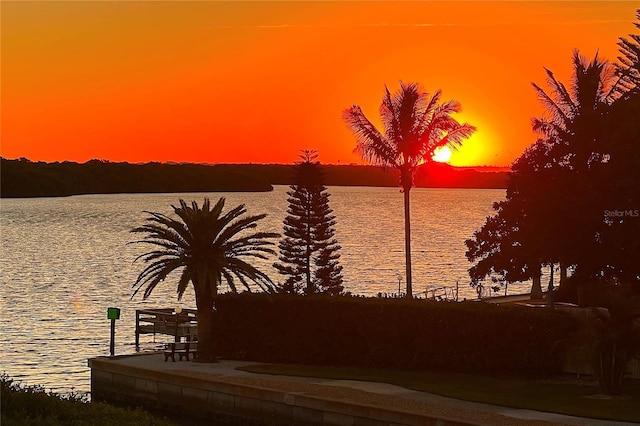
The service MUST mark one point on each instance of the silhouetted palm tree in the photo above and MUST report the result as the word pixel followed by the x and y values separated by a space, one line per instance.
pixel 574 116
pixel 205 243
pixel 574 126
pixel 628 69
pixel 414 125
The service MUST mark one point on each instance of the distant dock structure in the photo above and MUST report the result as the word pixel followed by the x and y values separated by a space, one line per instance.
pixel 180 323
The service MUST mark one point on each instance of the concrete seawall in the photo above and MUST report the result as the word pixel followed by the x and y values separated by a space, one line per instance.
pixel 179 392
pixel 222 391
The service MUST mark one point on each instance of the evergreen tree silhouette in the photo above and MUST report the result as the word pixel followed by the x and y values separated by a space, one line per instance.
pixel 308 251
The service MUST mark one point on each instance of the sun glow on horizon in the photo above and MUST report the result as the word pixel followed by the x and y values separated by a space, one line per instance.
pixel 141 81
pixel 442 154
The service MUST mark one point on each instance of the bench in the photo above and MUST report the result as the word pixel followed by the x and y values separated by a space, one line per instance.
pixel 183 350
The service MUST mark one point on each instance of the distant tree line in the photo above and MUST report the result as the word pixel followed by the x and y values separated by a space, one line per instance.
pixel 24 178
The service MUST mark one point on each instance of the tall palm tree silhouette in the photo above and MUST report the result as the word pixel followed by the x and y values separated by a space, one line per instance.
pixel 205 243
pixel 573 127
pixel 573 118
pixel 414 125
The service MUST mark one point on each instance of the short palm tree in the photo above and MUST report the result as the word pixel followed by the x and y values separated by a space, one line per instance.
pixel 414 125
pixel 206 245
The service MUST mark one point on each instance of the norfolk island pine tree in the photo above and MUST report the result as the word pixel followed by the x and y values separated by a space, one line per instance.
pixel 308 251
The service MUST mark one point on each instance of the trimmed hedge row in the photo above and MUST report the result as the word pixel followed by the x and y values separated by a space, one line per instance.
pixel 391 333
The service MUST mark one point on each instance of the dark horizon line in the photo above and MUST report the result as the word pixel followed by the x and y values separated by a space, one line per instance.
pixel 485 167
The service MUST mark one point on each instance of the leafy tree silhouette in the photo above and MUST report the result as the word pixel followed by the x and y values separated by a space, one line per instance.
pixel 585 161
pixel 414 125
pixel 309 252
pixel 207 245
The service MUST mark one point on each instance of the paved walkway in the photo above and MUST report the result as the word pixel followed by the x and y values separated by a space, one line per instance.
pixel 361 393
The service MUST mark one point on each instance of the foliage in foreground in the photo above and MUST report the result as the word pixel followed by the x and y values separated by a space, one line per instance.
pixel 205 245
pixel 616 338
pixel 391 333
pixel 32 405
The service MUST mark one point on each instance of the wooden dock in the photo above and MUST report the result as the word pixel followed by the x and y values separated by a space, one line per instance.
pixel 182 324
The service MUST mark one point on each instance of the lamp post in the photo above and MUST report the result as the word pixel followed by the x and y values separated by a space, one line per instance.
pixel 399 282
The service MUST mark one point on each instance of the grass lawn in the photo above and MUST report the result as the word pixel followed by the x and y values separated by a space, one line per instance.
pixel 564 395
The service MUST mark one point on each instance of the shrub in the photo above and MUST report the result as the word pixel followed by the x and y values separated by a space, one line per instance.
pixel 32 405
pixel 391 333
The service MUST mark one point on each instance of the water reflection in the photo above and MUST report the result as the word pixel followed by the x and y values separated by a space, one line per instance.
pixel 65 261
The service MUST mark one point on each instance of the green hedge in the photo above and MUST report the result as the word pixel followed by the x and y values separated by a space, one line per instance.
pixel 391 333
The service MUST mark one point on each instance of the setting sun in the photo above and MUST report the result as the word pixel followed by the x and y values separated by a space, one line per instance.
pixel 441 154
pixel 141 81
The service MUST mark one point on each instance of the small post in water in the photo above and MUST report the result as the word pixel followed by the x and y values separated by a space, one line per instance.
pixel 113 314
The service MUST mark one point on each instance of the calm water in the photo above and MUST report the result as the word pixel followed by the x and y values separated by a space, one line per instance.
pixel 64 261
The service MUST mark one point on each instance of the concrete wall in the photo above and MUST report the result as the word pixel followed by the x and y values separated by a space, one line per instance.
pixel 113 382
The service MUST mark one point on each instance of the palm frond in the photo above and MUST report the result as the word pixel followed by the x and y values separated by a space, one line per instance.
pixel 185 278
pixel 246 223
pixel 562 97
pixel 457 134
pixel 228 277
pixel 414 124
pixel 372 145
pixel 389 116
pixel 556 111
pixel 202 244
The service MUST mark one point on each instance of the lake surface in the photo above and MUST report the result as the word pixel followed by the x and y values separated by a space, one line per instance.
pixel 64 261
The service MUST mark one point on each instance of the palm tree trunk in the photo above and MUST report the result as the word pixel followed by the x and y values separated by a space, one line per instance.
pixel 536 288
pixel 206 344
pixel 612 389
pixel 550 301
pixel 563 273
pixel 407 240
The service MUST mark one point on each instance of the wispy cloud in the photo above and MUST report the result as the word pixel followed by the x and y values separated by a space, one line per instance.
pixel 420 24
pixel 361 25
pixel 593 22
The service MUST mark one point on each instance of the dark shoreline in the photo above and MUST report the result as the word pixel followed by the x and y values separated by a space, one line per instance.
pixel 26 179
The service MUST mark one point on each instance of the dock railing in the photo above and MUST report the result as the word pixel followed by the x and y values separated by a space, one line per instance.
pixel 442 293
pixel 168 321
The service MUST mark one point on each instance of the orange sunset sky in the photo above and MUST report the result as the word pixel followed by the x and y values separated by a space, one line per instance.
pixel 240 82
